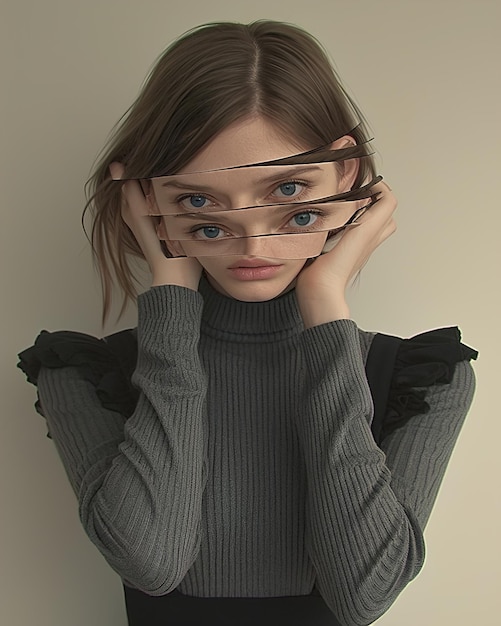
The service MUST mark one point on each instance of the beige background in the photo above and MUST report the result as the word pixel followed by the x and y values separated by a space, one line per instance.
pixel 427 75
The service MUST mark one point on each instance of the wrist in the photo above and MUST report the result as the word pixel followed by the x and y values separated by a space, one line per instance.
pixel 160 279
pixel 178 282
pixel 317 311
pixel 180 272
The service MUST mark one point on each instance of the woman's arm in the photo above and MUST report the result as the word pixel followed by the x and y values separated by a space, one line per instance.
pixel 140 484
pixel 365 511
pixel 417 453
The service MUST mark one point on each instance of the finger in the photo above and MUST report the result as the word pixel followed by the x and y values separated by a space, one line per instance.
pixel 383 183
pixel 174 249
pixel 116 170
pixel 380 211
pixel 135 214
pixel 135 198
pixel 131 190
pixel 386 196
pixel 390 229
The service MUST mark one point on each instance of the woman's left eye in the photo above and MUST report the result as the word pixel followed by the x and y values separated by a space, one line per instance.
pixel 289 189
pixel 307 218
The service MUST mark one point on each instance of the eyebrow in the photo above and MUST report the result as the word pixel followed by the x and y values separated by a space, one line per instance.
pixel 285 174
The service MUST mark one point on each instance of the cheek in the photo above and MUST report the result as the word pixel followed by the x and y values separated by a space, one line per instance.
pixel 212 264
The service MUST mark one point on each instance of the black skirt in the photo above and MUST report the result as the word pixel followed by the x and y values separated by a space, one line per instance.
pixel 176 609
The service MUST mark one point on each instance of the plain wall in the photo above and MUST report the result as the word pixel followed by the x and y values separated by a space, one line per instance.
pixel 427 76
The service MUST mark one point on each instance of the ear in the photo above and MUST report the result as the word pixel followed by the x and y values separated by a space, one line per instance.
pixel 174 247
pixel 347 170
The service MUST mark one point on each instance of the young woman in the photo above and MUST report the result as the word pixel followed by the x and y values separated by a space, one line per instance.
pixel 248 473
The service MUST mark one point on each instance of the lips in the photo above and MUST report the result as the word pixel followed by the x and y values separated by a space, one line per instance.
pixel 254 269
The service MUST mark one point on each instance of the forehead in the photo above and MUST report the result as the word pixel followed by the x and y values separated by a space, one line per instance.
pixel 253 177
pixel 248 141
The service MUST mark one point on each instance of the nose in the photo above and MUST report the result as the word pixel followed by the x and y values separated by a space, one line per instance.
pixel 260 246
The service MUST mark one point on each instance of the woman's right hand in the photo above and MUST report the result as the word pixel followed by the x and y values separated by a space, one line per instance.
pixel 183 271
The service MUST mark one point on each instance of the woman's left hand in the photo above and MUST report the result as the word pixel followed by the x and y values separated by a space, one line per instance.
pixel 321 286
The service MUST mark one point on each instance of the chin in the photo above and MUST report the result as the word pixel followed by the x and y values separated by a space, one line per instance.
pixel 259 291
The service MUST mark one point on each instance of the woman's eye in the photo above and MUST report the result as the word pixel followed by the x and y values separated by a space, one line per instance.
pixel 289 189
pixel 194 201
pixel 303 219
pixel 209 232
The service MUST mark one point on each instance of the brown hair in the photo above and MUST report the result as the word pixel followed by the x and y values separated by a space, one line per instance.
pixel 214 75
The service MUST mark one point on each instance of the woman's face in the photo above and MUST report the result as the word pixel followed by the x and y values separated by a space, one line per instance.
pixel 251 274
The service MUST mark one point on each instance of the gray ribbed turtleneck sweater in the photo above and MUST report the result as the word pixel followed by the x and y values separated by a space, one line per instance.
pixel 248 467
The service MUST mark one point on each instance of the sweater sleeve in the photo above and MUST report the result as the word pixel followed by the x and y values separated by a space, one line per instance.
pixel 140 482
pixel 366 509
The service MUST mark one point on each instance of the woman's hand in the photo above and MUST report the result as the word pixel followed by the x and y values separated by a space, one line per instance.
pixel 321 286
pixel 185 272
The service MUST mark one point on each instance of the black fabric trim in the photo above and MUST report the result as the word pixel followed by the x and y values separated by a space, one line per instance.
pixel 379 369
pixel 106 363
pixel 400 371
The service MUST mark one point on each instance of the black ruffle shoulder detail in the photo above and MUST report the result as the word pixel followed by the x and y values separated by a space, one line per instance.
pixel 107 363
pixel 400 371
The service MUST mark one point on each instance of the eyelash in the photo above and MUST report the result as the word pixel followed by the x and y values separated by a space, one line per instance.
pixel 317 212
pixel 311 211
pixel 185 196
pixel 306 187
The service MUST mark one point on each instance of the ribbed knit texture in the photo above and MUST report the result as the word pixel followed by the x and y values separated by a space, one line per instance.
pixel 248 468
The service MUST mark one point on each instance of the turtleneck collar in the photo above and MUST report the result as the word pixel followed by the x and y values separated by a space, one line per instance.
pixel 225 318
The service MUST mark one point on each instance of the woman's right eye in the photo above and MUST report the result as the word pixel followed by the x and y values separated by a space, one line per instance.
pixel 289 189
pixel 208 232
pixel 194 201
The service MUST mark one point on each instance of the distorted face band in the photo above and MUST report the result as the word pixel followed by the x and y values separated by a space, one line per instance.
pixel 287 231
pixel 287 208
